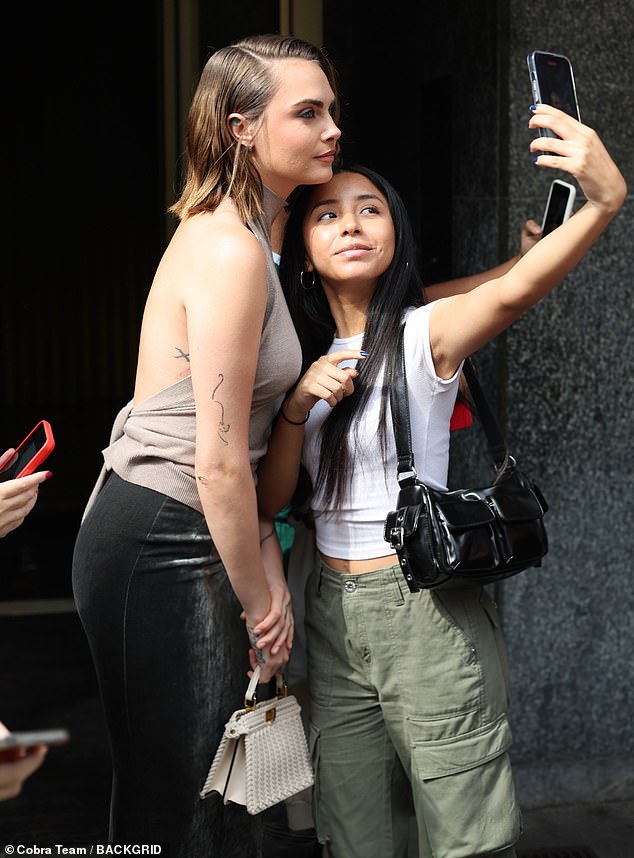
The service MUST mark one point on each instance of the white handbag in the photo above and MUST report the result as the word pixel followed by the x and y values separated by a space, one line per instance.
pixel 263 755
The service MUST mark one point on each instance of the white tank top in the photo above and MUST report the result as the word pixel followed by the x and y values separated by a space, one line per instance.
pixel 355 531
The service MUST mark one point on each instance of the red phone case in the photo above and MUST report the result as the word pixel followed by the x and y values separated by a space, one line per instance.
pixel 37 445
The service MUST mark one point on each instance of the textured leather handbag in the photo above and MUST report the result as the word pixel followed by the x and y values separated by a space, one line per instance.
pixel 263 755
pixel 466 537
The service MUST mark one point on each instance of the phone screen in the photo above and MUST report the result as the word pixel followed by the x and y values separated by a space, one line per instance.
pixel 35 448
pixel 553 83
pixel 559 206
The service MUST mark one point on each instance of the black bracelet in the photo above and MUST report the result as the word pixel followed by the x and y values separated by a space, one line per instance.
pixel 294 422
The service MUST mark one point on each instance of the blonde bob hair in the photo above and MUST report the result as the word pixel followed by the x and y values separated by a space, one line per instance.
pixel 239 78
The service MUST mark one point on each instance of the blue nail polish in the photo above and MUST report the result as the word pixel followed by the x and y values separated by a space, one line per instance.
pixel 363 354
pixel 534 160
pixel 533 107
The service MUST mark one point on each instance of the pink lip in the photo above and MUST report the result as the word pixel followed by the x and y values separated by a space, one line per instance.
pixel 352 248
pixel 328 157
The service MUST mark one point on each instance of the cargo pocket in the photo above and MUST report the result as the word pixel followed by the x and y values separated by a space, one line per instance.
pixel 464 791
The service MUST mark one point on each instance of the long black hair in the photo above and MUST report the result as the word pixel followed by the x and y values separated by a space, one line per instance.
pixel 398 287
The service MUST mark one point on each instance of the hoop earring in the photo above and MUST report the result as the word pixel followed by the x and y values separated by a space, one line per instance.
pixel 301 280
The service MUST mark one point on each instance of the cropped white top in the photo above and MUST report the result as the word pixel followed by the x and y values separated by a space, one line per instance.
pixel 355 531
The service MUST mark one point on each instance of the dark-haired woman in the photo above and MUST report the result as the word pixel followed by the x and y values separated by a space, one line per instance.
pixel 408 691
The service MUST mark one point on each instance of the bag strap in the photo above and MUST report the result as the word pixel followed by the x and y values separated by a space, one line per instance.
pixel 281 689
pixel 399 403
pixel 498 448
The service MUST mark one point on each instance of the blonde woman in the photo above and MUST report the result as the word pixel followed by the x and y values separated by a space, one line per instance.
pixel 168 555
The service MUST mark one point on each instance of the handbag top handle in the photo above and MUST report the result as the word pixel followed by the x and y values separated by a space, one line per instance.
pixel 399 403
pixel 281 689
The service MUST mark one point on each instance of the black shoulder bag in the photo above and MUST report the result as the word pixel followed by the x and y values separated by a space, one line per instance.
pixel 466 537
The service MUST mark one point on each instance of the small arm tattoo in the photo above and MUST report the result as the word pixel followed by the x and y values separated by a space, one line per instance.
pixel 222 426
pixel 181 354
pixel 267 536
pixel 254 644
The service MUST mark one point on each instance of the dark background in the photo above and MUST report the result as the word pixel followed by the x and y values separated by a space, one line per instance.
pixel 86 222
pixel 86 188
pixel 435 95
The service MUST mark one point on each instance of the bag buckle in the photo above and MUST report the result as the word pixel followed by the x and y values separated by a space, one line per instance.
pixel 396 537
pixel 406 477
pixel 281 688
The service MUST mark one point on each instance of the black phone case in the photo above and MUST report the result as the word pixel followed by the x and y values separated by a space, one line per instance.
pixel 552 82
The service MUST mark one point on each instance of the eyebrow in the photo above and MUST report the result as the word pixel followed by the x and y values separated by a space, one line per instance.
pixel 334 200
pixel 315 102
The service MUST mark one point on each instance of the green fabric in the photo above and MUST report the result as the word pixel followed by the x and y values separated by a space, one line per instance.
pixel 285 533
pixel 408 689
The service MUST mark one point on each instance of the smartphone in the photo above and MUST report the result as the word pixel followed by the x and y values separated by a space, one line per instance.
pixel 561 198
pixel 31 453
pixel 16 745
pixel 553 83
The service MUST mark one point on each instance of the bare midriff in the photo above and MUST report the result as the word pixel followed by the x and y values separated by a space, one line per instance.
pixel 358 567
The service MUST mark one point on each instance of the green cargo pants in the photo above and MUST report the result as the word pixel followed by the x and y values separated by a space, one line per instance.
pixel 408 713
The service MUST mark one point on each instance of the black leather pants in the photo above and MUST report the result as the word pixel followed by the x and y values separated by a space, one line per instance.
pixel 171 658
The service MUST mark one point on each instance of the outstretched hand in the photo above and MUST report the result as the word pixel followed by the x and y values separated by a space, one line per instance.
pixel 579 152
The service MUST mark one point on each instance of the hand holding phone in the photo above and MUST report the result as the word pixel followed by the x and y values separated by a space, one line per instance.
pixel 30 454
pixel 552 82
pixel 561 198
pixel 13 746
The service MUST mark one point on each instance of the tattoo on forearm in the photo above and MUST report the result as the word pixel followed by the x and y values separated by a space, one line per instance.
pixel 267 536
pixel 254 643
pixel 222 426
pixel 181 354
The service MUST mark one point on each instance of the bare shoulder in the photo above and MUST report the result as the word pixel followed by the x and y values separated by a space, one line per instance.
pixel 210 256
pixel 212 261
pixel 217 239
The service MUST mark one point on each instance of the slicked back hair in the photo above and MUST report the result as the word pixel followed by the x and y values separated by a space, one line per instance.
pixel 240 78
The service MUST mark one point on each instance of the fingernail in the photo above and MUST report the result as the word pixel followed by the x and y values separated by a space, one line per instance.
pixel 534 160
pixel 49 474
pixel 533 107
pixel 363 354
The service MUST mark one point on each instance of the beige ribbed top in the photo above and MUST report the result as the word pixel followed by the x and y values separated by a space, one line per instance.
pixel 153 444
